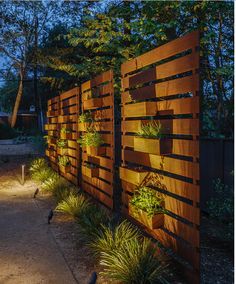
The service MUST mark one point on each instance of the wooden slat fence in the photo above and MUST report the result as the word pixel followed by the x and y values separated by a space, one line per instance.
pixel 163 85
pixel 98 99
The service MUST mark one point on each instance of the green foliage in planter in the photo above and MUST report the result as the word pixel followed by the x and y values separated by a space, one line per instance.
pixel 90 166
pixel 146 199
pixel 136 262
pixel 37 165
pixel 91 138
pixel 113 237
pixel 65 130
pixel 73 205
pixel 151 129
pixel 86 117
pixel 64 161
pixel 62 143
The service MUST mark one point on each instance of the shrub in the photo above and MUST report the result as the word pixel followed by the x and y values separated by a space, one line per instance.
pixel 73 205
pixel 86 117
pixel 6 132
pixel 147 199
pixel 114 237
pixel 152 129
pixel 91 138
pixel 50 184
pixel 37 165
pixel 64 161
pixel 62 192
pixel 135 262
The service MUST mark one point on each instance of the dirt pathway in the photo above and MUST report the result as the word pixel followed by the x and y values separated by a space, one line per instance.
pixel 28 251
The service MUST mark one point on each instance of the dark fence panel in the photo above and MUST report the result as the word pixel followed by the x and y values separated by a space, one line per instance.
pixel 217 161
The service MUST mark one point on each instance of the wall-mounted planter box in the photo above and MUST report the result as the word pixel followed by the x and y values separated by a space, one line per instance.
pixel 83 126
pixel 66 136
pixel 65 169
pixel 90 172
pixel 93 103
pixel 154 222
pixel 95 151
pixel 134 176
pixel 61 151
pixel 153 146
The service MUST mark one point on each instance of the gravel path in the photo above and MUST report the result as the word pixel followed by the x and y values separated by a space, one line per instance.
pixel 28 251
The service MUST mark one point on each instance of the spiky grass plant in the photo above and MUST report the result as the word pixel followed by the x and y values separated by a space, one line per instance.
pixel 43 174
pixel 53 182
pixel 73 205
pixel 91 138
pixel 37 165
pixel 135 262
pixel 62 192
pixel 92 224
pixel 86 117
pixel 113 237
pixel 152 129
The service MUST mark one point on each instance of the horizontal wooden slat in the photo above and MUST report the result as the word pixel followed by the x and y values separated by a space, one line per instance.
pixel 174 166
pixel 163 89
pixel 103 186
pixel 67 118
pixel 101 161
pixel 69 102
pixel 103 198
pixel 182 126
pixel 174 67
pixel 70 93
pixel 169 49
pixel 170 107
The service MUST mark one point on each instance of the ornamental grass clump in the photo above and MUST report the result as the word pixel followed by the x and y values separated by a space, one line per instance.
pixel 113 237
pixel 37 165
pixel 148 200
pixel 54 182
pixel 135 262
pixel 91 138
pixel 42 175
pixel 152 129
pixel 73 205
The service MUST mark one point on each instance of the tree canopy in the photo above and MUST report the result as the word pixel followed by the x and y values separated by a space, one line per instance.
pixel 83 38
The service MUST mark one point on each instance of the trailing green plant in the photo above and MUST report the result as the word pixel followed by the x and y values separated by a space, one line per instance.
pixel 65 130
pixel 152 129
pixel 64 161
pixel 91 138
pixel 86 117
pixel 73 205
pixel 37 165
pixel 113 237
pixel 62 143
pixel 135 262
pixel 146 199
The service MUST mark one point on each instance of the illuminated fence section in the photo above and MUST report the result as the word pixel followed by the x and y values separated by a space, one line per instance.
pixel 52 131
pixel 97 120
pixel 161 88
pixel 67 146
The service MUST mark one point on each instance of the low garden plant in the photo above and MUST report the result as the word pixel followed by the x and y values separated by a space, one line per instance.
pixel 91 138
pixel 134 262
pixel 148 200
pixel 152 129
pixel 37 165
pixel 42 175
pixel 73 205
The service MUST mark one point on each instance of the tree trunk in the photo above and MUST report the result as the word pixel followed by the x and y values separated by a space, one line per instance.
pixel 18 100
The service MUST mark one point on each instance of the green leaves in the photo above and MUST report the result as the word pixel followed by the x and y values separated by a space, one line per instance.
pixel 64 161
pixel 92 138
pixel 151 129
